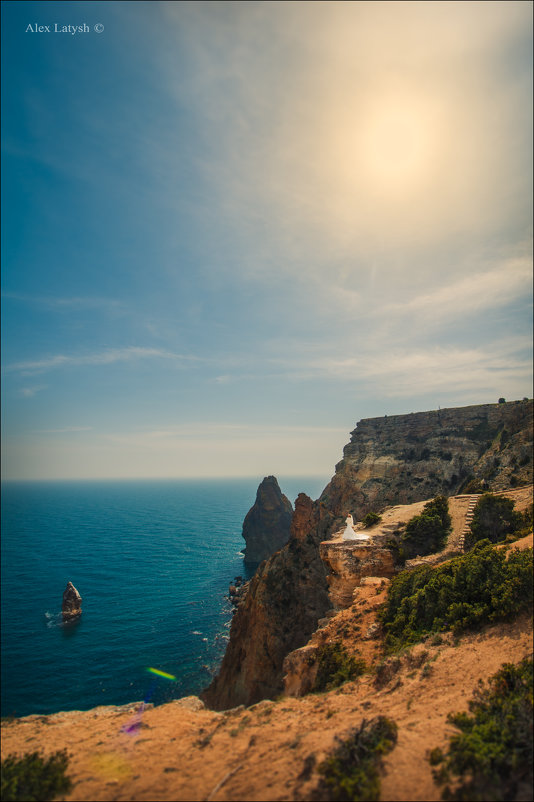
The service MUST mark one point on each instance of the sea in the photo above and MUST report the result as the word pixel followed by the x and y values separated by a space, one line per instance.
pixel 152 561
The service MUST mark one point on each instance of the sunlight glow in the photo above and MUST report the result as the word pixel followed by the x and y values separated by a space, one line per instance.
pixel 398 143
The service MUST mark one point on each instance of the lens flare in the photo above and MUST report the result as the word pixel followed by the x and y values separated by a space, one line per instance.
pixel 159 673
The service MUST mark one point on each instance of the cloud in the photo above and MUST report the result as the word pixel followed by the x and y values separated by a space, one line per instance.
pixel 75 303
pixel 167 436
pixel 65 430
pixel 107 357
pixel 470 294
pixel 368 128
pixel 29 392
pixel 402 372
pixel 189 450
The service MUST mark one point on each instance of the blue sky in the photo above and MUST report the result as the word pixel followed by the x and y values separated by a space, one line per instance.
pixel 231 230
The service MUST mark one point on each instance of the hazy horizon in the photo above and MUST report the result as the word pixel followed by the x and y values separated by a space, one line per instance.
pixel 233 230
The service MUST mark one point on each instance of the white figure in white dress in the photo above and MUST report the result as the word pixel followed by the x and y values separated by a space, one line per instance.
pixel 350 534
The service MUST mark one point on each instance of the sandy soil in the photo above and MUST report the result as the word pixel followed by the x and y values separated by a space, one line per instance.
pixel 270 751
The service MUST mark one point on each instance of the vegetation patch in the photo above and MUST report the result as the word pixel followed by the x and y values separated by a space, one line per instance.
pixel 469 591
pixel 494 518
pixel 352 772
pixel 336 666
pixel 34 778
pixel 491 756
pixel 371 519
pixel 427 533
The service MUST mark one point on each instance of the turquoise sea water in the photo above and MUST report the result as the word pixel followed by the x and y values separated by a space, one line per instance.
pixel 152 561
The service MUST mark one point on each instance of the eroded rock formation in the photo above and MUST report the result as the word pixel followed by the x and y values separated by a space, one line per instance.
pixel 286 598
pixel 72 603
pixel 267 523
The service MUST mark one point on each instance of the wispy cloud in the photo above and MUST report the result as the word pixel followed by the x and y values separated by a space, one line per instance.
pixel 222 431
pixel 469 295
pixel 315 128
pixel 400 372
pixel 29 392
pixel 107 357
pixel 74 303
pixel 65 430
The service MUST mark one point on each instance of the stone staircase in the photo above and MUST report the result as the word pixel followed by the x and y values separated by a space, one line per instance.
pixel 468 518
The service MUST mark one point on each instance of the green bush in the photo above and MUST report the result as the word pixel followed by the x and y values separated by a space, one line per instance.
pixel 491 756
pixel 336 666
pixel 352 772
pixel 33 778
pixel 527 522
pixel 370 519
pixel 494 518
pixel 465 593
pixel 427 533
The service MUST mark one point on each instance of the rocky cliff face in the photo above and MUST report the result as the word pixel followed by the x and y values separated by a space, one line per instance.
pixel 392 460
pixel 406 458
pixel 348 562
pixel 267 523
pixel 286 598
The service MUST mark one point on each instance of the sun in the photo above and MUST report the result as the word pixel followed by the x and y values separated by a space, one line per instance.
pixel 394 144
pixel 397 143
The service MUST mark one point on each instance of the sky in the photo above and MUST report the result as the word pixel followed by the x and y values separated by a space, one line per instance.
pixel 231 230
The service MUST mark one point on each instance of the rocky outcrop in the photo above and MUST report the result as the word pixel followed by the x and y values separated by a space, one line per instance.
pixel 237 590
pixel 286 598
pixel 406 458
pixel 301 666
pixel 72 603
pixel 348 562
pixel 389 461
pixel 267 523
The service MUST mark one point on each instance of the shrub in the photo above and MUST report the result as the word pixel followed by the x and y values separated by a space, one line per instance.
pixel 465 593
pixel 34 778
pixel 527 521
pixel 491 756
pixel 494 518
pixel 336 666
pixel 427 533
pixel 352 772
pixel 370 519
pixel 474 486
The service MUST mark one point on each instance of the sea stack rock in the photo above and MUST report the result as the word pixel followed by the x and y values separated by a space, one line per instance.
pixel 72 603
pixel 267 523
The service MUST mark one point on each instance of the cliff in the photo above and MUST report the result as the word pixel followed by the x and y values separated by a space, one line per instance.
pixel 406 458
pixel 267 523
pixel 286 598
pixel 389 461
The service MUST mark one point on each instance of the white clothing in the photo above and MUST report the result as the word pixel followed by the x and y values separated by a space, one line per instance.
pixel 350 534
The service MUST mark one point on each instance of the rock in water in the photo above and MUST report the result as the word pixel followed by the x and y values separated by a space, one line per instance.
pixel 267 523
pixel 72 603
